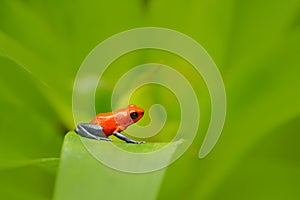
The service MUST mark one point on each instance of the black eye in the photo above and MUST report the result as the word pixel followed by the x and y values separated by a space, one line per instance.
pixel 134 115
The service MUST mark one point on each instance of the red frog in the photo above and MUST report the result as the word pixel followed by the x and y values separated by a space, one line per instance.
pixel 111 123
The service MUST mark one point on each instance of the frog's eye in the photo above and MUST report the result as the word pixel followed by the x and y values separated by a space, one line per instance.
pixel 134 115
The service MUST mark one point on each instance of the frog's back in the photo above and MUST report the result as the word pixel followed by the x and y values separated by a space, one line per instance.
pixel 106 121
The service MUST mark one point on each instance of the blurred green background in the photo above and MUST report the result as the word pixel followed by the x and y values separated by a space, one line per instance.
pixel 255 44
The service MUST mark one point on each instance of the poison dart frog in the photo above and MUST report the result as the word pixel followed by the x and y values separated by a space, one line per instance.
pixel 111 123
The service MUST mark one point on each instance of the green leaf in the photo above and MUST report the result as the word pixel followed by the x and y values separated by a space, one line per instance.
pixel 30 143
pixel 80 171
pixel 274 160
pixel 27 182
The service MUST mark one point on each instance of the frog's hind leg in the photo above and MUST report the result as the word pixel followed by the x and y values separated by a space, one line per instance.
pixel 126 139
pixel 93 131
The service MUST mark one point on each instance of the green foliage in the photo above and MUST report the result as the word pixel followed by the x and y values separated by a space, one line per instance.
pixel 30 140
pixel 256 46
pixel 80 171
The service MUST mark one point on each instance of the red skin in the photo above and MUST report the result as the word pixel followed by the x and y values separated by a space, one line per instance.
pixel 119 120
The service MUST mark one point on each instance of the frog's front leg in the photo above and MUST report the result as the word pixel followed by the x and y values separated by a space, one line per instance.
pixel 126 139
pixel 93 131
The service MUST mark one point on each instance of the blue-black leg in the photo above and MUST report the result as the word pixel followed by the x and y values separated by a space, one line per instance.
pixel 93 131
pixel 126 139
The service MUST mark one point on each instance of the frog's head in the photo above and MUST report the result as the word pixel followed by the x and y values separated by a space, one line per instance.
pixel 135 112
